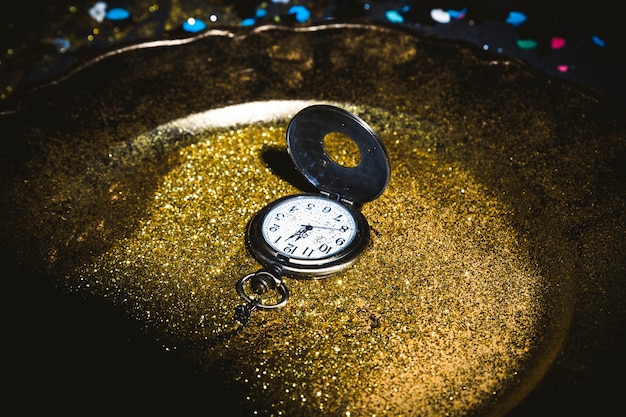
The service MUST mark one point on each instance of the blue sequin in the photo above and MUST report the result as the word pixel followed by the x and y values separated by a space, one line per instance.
pixel 117 13
pixel 193 25
pixel 248 22
pixel 62 44
pixel 394 17
pixel 516 18
pixel 302 13
pixel 456 14
pixel 598 41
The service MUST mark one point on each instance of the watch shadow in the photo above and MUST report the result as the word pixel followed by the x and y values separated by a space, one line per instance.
pixel 280 163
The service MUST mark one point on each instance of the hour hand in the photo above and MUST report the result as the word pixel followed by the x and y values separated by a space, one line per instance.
pixel 301 232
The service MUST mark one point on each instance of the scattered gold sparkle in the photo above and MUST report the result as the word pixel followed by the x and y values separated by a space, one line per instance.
pixel 435 318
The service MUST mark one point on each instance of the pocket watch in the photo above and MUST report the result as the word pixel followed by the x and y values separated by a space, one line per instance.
pixel 315 235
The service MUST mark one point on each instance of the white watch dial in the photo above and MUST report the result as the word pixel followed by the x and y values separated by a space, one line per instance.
pixel 309 227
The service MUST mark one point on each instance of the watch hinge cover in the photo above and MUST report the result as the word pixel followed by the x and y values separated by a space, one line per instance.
pixel 336 197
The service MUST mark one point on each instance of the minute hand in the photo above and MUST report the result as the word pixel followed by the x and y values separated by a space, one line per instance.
pixel 321 227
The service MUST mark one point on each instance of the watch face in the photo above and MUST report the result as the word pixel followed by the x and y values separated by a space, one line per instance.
pixel 309 227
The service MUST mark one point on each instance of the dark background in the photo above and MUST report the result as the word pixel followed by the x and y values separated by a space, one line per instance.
pixel 30 54
pixel 34 31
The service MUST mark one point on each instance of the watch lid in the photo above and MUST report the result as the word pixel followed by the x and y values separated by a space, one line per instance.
pixel 305 143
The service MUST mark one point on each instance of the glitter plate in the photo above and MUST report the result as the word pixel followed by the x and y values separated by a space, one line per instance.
pixel 496 260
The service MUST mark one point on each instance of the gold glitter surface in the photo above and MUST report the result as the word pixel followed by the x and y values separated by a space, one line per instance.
pixel 440 314
pixel 495 253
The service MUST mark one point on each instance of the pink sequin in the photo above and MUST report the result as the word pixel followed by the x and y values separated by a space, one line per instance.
pixel 558 43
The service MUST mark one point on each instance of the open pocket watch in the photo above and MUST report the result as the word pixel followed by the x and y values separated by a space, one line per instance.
pixel 315 235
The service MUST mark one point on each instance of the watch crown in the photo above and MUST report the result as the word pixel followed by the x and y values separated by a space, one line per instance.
pixel 261 284
pixel 263 281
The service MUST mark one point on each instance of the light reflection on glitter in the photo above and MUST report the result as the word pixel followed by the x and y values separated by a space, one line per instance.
pixel 439 240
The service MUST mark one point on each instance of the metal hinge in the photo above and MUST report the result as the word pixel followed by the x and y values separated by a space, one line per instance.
pixel 336 197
